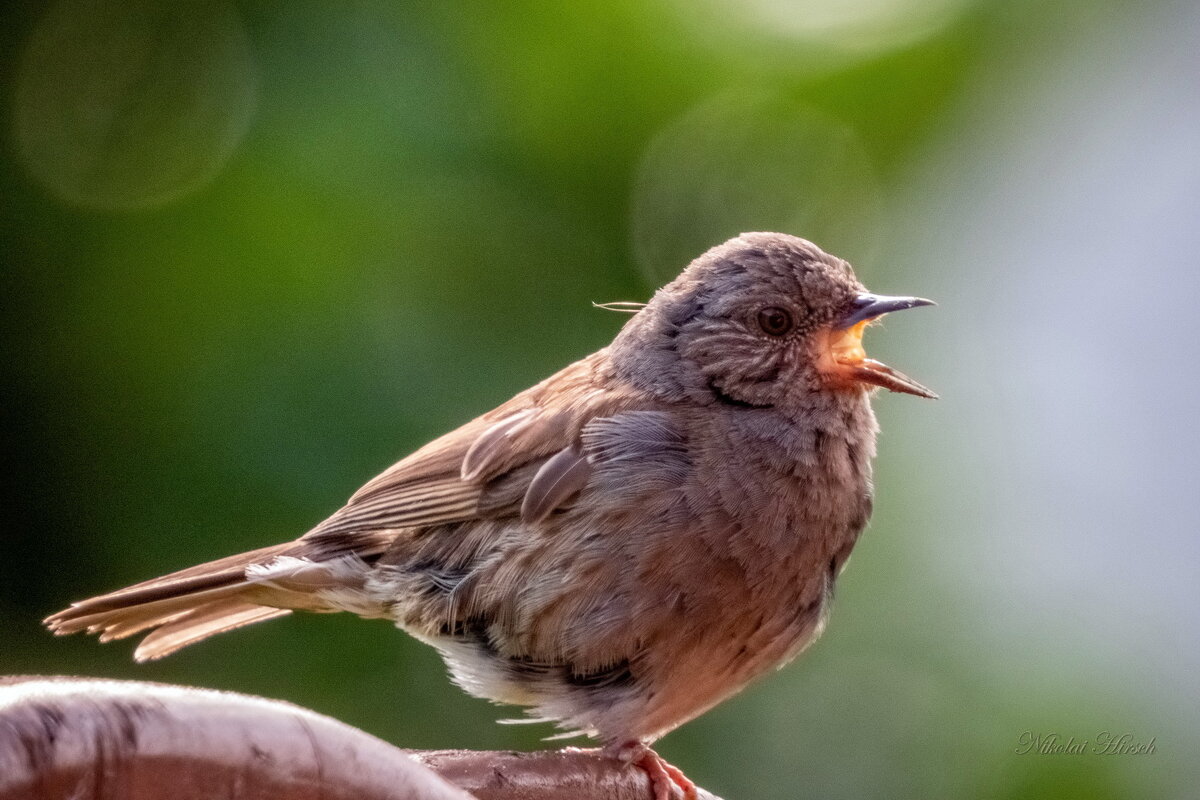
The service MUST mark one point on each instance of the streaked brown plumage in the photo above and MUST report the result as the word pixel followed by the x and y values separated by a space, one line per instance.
pixel 623 545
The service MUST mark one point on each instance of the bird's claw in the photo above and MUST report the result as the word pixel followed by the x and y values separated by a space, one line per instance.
pixel 665 778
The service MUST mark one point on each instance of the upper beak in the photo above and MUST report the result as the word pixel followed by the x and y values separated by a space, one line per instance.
pixel 869 306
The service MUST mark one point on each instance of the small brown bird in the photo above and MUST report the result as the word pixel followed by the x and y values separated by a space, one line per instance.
pixel 622 546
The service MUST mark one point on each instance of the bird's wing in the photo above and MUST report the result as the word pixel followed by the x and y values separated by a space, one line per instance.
pixel 523 458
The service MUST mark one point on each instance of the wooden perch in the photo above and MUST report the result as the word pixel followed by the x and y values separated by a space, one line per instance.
pixel 90 739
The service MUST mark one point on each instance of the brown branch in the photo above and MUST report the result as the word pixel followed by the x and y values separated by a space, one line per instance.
pixel 89 739
pixel 542 775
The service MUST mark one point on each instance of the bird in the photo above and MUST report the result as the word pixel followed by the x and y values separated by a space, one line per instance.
pixel 620 547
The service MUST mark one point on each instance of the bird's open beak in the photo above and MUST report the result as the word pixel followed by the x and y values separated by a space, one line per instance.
pixel 848 361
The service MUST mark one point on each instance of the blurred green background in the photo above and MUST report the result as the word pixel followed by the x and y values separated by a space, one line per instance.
pixel 254 252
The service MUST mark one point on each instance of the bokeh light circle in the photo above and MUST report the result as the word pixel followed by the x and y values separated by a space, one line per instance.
pixel 130 105
pixel 741 163
pixel 830 31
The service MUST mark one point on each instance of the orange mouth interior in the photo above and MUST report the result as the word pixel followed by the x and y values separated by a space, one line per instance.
pixel 845 362
pixel 846 346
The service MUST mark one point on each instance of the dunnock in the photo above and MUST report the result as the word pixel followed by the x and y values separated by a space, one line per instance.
pixel 625 544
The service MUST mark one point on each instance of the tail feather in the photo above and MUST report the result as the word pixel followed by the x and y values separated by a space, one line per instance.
pixel 128 611
pixel 130 623
pixel 195 603
pixel 227 571
pixel 117 622
pixel 208 620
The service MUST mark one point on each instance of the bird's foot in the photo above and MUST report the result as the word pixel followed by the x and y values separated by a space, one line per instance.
pixel 664 778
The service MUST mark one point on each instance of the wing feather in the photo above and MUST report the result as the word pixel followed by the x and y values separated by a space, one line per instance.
pixel 490 446
pixel 559 479
pixel 448 480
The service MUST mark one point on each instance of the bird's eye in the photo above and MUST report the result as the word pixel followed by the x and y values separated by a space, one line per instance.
pixel 774 321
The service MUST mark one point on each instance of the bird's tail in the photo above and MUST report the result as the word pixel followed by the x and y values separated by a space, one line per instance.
pixel 186 606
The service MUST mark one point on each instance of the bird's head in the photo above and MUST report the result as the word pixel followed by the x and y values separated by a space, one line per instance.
pixel 763 320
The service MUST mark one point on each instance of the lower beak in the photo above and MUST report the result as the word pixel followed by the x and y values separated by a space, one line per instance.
pixel 850 360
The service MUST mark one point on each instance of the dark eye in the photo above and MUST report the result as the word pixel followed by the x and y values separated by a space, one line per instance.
pixel 774 321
